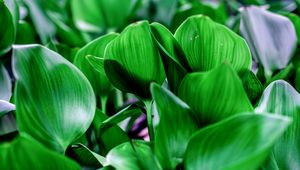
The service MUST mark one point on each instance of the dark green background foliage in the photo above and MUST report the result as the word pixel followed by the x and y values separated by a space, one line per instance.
pixel 150 84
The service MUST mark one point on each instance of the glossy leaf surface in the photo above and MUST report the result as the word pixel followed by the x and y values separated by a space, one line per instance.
pixel 214 95
pixel 55 110
pixel 251 137
pixel 208 44
pixel 132 61
pixel 282 99
pixel 25 152
pixel 129 156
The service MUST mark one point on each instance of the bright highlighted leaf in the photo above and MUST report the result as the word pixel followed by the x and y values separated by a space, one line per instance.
pixel 7 29
pixel 54 101
pixel 214 95
pixel 271 37
pixel 242 141
pixel 87 65
pixel 208 44
pixel 25 152
pixel 282 99
pixel 176 126
pixel 132 61
pixel 132 156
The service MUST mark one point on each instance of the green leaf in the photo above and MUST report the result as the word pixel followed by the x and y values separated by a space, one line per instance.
pixel 54 101
pixel 271 37
pixel 127 112
pixel 5 84
pixel 253 87
pixel 109 136
pixel 98 16
pixel 176 126
pixel 67 33
pixel 132 60
pixel 99 81
pixel 25 33
pixel 281 98
pixel 44 27
pixel 7 29
pixel 242 141
pixel 26 153
pixel 13 7
pixel 129 156
pixel 173 57
pixel 214 95
pixel 85 156
pixel 284 74
pixel 208 44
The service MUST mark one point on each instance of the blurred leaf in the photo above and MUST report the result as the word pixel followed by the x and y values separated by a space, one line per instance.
pixel 296 21
pixel 196 8
pixel 173 57
pixel 5 84
pixel 85 156
pixel 25 33
pixel 176 126
pixel 165 10
pixel 132 60
pixel 26 153
pixel 44 27
pixel 13 7
pixel 95 48
pixel 110 137
pixel 68 34
pixel 272 38
pixel 129 156
pixel 214 95
pixel 208 44
pixel 59 107
pixel 8 30
pixel 282 99
pixel 98 16
pixel 251 137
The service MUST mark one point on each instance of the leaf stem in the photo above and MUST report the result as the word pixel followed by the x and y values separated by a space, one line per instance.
pixel 103 100
pixel 148 104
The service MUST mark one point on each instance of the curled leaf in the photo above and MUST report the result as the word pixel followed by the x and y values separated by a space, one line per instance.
pixel 132 61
